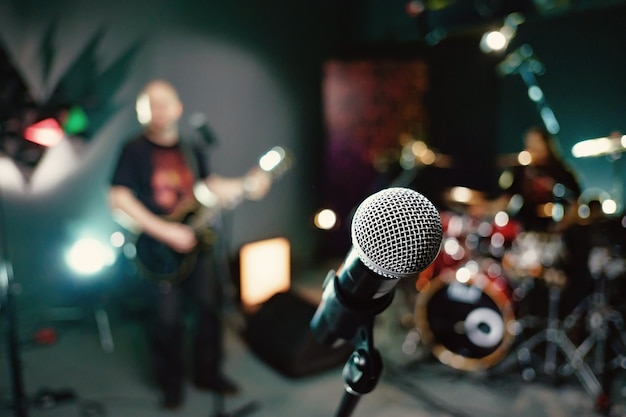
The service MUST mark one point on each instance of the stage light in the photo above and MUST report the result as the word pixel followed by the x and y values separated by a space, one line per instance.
pixel 46 132
pixel 463 275
pixel 501 219
pixel 515 60
pixel 609 206
pixel 493 41
pixel 142 107
pixel 117 239
pixel 549 119
pixel 75 121
pixel 264 270
pixel 325 219
pixel 461 194
pixel 88 256
pixel 498 40
pixel 558 211
pixel 524 158
pixel 415 7
pixel 505 180
pixel 584 211
pixel 598 146
pixel 535 93
pixel 272 158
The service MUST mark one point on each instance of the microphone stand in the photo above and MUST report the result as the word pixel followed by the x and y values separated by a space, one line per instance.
pixel 361 371
pixel 339 319
pixel 220 261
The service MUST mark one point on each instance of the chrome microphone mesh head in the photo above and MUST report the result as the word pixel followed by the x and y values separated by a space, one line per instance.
pixel 396 232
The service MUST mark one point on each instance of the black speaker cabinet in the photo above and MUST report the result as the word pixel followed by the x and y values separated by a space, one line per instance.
pixel 278 333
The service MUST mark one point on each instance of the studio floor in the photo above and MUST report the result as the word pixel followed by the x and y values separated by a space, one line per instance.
pixel 69 372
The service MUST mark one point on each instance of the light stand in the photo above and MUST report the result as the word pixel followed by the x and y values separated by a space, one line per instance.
pixel 15 363
pixel 219 408
pixel 19 401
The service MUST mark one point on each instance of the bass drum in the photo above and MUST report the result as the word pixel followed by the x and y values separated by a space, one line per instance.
pixel 466 316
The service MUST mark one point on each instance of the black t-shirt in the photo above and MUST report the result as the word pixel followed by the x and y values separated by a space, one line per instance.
pixel 160 177
pixel 536 185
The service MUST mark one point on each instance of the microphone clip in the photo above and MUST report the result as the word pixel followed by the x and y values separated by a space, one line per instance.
pixel 337 320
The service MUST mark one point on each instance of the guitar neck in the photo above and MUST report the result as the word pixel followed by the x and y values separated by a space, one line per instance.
pixel 201 213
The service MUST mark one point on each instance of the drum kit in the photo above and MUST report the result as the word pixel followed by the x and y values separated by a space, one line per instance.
pixel 476 305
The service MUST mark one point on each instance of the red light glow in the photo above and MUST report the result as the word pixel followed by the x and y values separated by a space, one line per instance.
pixel 47 132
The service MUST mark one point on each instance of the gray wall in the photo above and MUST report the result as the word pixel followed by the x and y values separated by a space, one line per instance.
pixel 252 69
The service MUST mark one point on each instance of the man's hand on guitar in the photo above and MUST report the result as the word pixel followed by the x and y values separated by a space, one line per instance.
pixel 256 184
pixel 180 237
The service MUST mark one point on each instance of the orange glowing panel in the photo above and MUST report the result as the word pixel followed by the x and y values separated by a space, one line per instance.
pixel 47 132
pixel 265 270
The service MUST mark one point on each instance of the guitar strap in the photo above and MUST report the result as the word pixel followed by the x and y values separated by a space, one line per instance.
pixel 190 154
pixel 187 148
pixel 222 270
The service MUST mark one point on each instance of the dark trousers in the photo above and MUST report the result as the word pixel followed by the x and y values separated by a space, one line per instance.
pixel 199 294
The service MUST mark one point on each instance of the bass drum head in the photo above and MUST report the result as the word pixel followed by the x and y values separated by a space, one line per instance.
pixel 467 326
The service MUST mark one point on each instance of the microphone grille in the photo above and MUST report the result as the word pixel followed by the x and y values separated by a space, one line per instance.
pixel 397 232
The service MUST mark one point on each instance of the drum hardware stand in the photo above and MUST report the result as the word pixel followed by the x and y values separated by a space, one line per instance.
pixel 599 315
pixel 555 337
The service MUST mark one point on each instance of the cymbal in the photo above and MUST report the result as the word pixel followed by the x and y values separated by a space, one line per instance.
pixel 418 152
pixel 599 146
pixel 507 160
pixel 463 196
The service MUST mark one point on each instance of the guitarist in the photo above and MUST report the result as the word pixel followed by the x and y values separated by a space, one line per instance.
pixel 153 178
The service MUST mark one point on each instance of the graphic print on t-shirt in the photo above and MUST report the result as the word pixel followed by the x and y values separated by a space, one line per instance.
pixel 172 181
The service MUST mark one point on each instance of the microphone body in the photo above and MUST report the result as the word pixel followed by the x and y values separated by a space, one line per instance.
pixel 396 233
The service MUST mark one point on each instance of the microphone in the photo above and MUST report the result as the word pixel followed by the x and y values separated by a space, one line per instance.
pixel 199 122
pixel 396 233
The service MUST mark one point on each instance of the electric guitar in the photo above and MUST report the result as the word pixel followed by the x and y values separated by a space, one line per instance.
pixel 160 263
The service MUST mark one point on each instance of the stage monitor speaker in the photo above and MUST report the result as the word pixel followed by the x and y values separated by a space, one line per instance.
pixel 278 333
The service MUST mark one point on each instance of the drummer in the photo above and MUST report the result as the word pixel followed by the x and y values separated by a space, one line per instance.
pixel 540 192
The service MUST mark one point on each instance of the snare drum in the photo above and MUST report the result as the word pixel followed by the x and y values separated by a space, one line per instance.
pixel 466 316
pixel 466 238
pixel 454 245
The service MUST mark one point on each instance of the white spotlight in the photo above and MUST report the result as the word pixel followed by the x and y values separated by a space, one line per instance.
pixel 609 206
pixel 493 41
pixel 498 40
pixel 89 256
pixel 325 219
